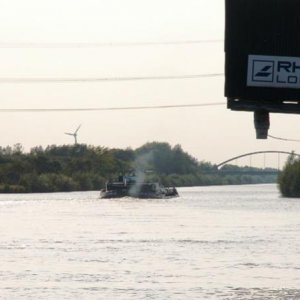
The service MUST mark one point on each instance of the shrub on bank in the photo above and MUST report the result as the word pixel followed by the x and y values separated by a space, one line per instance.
pixel 289 178
pixel 6 188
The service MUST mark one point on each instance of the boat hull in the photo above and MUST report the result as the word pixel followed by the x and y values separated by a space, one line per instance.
pixel 117 190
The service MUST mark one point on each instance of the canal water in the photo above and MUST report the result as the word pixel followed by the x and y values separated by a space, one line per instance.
pixel 228 242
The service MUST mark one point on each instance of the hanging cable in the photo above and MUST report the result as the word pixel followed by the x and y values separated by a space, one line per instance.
pixel 98 79
pixel 283 139
pixel 99 45
pixel 8 110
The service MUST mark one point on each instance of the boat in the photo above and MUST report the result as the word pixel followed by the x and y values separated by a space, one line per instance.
pixel 128 186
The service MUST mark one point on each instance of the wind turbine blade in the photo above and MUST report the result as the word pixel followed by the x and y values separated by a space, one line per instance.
pixel 69 133
pixel 77 128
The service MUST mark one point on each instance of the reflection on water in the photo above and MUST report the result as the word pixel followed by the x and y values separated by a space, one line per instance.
pixel 233 242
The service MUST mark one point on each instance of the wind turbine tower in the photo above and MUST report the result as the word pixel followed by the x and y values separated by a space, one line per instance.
pixel 74 134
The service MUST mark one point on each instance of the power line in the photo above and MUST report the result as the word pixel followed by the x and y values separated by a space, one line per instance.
pixel 99 45
pixel 38 110
pixel 99 79
pixel 283 139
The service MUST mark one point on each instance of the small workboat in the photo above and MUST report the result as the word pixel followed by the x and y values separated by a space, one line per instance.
pixel 128 186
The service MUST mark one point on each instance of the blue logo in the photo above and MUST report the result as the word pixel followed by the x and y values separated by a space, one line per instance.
pixel 263 70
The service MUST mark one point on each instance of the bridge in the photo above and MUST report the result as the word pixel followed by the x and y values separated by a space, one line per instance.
pixel 253 170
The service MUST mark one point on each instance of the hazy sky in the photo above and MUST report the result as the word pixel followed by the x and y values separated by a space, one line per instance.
pixel 38 39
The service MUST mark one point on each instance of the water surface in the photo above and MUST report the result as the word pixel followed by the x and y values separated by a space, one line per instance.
pixel 230 242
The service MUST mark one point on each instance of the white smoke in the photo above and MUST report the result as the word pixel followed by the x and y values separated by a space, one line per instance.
pixel 142 163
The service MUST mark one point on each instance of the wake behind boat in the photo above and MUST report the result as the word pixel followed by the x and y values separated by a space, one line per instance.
pixel 128 186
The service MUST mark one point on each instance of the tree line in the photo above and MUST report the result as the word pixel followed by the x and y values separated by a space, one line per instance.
pixel 84 167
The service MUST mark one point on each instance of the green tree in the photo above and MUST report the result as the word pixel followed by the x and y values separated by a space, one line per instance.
pixel 289 178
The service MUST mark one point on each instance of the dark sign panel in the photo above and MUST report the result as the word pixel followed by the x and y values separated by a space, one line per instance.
pixel 262 48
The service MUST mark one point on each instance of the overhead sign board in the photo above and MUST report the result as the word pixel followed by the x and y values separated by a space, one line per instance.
pixel 262 55
pixel 273 71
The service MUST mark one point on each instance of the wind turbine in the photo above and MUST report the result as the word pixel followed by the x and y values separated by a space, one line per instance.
pixel 74 134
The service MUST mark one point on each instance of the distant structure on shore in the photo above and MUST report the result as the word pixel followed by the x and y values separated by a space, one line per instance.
pixel 74 134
